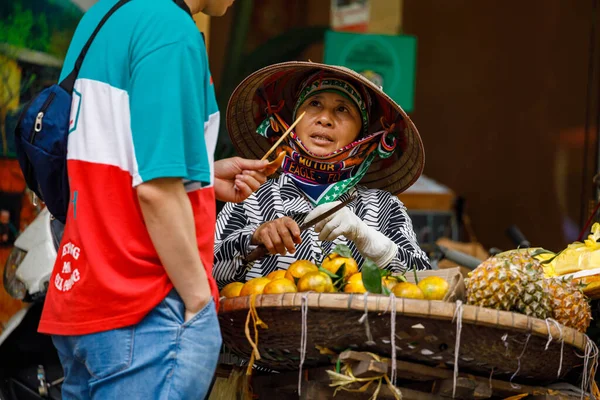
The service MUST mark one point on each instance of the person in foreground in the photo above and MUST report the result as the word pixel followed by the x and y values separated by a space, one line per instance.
pixel 352 140
pixel 131 305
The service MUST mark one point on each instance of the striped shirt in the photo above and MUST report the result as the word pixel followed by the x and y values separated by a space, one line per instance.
pixel 281 198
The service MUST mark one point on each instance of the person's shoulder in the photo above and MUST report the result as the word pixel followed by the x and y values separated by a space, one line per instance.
pixel 168 10
pixel 272 187
pixel 165 19
pixel 379 195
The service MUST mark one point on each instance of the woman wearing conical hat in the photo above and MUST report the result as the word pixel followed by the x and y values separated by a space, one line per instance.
pixel 353 140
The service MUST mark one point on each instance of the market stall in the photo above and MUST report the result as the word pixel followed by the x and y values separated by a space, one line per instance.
pixel 513 327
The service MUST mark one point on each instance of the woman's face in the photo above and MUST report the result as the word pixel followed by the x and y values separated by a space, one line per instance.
pixel 331 122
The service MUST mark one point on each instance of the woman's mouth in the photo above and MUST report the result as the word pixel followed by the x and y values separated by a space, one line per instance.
pixel 320 138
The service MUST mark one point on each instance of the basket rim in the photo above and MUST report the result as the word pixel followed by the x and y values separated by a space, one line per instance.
pixel 434 309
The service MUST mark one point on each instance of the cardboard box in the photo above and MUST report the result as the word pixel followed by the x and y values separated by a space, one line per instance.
pixel 427 194
pixel 367 16
pixel 350 15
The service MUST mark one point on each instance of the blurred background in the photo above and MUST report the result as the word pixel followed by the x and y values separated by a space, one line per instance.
pixel 505 96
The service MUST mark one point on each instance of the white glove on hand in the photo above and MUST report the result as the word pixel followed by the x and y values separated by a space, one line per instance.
pixel 369 242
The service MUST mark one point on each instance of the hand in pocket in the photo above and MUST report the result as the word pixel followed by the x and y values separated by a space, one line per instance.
pixel 189 314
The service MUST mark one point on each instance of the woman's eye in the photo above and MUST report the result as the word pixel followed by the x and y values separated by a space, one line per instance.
pixel 342 109
pixel 314 103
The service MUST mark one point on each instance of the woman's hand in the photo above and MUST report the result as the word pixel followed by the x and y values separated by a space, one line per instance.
pixel 279 236
pixel 369 242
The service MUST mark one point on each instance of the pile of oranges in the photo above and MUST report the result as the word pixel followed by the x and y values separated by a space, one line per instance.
pixel 337 273
pixel 301 276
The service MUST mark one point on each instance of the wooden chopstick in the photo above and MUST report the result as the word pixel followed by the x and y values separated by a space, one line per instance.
pixel 283 136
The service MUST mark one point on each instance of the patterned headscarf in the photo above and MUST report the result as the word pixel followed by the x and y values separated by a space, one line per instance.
pixel 316 84
pixel 324 178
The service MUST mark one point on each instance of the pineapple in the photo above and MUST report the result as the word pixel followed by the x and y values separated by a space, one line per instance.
pixel 570 307
pixel 534 300
pixel 538 254
pixel 523 259
pixel 514 281
pixel 495 283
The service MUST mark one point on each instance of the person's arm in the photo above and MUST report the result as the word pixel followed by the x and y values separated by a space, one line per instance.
pixel 167 212
pixel 169 104
pixel 232 243
pixel 394 247
pixel 236 237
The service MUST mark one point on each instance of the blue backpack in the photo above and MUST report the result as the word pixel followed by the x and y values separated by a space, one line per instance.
pixel 41 137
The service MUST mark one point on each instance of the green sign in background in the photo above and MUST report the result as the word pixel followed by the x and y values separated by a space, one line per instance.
pixel 389 61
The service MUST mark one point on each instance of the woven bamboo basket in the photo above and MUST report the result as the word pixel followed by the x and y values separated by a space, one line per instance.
pixel 491 342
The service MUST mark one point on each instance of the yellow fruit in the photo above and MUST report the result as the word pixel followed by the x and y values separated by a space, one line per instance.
pixel 277 274
pixel 254 286
pixel 232 290
pixel 408 291
pixel 355 284
pixel 281 285
pixel 315 282
pixel 300 268
pixel 433 287
pixel 389 282
pixel 334 262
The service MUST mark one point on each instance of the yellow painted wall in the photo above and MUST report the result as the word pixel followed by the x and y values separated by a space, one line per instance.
pixel 10 83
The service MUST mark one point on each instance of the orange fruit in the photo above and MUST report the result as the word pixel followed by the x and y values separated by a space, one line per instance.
pixel 333 262
pixel 277 274
pixel 299 268
pixel 254 286
pixel 389 282
pixel 355 284
pixel 280 285
pixel 408 291
pixel 433 287
pixel 232 289
pixel 316 282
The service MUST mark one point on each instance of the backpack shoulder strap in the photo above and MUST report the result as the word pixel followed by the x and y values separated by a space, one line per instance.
pixel 69 82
